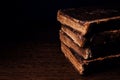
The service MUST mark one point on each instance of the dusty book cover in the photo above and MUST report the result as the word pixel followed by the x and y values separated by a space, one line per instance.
pixel 105 37
pixel 86 66
pixel 87 20
pixel 90 51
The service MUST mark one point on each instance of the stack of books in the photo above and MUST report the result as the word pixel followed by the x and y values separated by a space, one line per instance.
pixel 90 36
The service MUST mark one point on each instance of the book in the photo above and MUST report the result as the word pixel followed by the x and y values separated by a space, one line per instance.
pixel 90 20
pixel 85 53
pixel 84 66
pixel 90 51
pixel 100 38
pixel 90 37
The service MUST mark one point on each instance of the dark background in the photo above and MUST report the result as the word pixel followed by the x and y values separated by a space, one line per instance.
pixel 36 19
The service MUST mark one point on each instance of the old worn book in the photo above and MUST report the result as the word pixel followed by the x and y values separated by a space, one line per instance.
pixel 83 52
pixel 90 51
pixel 97 39
pixel 90 20
pixel 83 66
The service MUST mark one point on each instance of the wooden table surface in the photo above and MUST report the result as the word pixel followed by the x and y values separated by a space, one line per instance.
pixel 43 61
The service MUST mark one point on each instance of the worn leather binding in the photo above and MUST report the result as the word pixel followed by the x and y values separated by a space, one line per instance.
pixel 90 52
pixel 87 20
pixel 98 39
pixel 85 66
pixel 83 52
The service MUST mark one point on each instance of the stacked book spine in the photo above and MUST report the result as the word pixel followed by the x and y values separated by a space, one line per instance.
pixel 90 36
